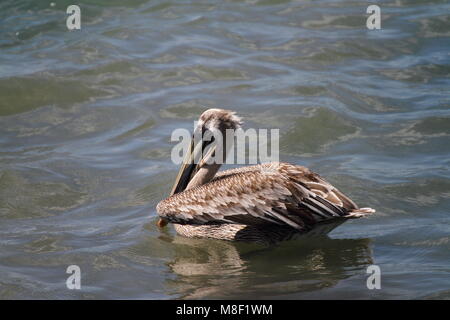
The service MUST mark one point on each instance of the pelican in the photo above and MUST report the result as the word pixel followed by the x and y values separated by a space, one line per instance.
pixel 259 203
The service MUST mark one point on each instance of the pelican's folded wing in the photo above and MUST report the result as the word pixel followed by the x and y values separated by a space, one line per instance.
pixel 275 193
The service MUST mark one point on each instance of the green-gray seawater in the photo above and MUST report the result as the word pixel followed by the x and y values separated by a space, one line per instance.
pixel 86 118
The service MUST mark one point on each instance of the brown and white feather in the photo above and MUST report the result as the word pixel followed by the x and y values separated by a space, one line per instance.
pixel 267 194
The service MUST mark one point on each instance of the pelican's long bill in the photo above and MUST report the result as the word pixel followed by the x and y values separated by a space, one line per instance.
pixel 187 169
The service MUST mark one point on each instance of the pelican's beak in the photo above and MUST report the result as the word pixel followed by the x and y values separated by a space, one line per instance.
pixel 187 170
pixel 192 162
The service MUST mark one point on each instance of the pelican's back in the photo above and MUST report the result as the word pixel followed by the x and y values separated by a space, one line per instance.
pixel 272 196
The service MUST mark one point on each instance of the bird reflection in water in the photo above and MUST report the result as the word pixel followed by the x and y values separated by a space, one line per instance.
pixel 206 268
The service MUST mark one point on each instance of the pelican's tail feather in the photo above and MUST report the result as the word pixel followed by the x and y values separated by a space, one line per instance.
pixel 361 212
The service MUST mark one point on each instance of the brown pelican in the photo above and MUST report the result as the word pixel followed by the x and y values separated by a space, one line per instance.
pixel 264 203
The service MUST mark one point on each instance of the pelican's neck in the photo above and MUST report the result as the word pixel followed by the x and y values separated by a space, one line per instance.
pixel 204 175
pixel 208 170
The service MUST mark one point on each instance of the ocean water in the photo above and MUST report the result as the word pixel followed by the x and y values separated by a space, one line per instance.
pixel 86 118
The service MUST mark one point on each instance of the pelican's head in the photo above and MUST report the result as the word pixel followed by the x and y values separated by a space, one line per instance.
pixel 210 121
pixel 218 119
